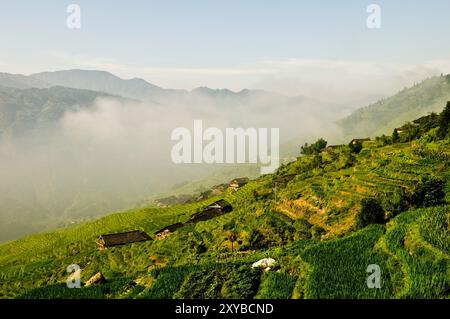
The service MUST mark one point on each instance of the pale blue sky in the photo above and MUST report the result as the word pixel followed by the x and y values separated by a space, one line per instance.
pixel 174 42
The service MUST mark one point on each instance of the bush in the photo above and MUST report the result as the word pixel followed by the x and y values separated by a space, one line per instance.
pixel 444 122
pixel 196 244
pixel 429 192
pixel 257 240
pixel 317 232
pixel 395 136
pixel 395 202
pixel 355 147
pixel 303 229
pixel 371 212
pixel 314 148
pixel 383 140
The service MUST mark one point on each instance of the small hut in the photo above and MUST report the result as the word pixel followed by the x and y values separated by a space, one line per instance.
pixel 237 183
pixel 110 240
pixel 360 140
pixel 223 205
pixel 163 234
pixel 214 210
pixel 167 231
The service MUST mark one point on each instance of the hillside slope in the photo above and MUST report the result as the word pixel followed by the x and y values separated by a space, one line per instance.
pixel 22 110
pixel 304 217
pixel 409 104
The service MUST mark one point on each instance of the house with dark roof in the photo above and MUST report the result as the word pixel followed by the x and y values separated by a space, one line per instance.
pixel 110 240
pixel 214 210
pixel 235 184
pixel 169 229
pixel 360 140
pixel 222 205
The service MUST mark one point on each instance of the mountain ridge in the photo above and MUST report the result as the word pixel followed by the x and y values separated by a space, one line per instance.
pixel 410 103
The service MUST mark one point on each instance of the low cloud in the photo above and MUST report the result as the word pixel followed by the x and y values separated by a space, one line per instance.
pixel 115 154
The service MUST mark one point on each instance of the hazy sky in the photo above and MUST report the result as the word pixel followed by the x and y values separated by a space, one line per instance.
pixel 234 44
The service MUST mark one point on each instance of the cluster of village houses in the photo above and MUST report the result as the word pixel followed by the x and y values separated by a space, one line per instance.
pixel 216 190
pixel 215 209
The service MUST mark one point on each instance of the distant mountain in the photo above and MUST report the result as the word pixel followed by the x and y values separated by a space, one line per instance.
pixel 19 81
pixel 411 103
pixel 137 88
pixel 22 110
pixel 100 81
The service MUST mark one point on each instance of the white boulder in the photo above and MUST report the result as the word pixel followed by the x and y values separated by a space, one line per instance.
pixel 264 263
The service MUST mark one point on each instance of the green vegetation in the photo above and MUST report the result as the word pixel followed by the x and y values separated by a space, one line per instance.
pixel 444 122
pixel 355 147
pixel 276 285
pixel 395 136
pixel 429 192
pixel 426 267
pixel 324 218
pixel 371 212
pixel 314 148
pixel 339 267
pixel 408 104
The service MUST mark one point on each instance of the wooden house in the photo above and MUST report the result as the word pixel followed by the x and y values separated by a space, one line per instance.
pixel 215 209
pixel 168 229
pixel 237 183
pixel 361 140
pixel 110 240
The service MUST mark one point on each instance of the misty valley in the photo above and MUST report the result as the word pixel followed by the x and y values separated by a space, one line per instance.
pixel 143 199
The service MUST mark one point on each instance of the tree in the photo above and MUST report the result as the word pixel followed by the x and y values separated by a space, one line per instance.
pixel 371 212
pixel 232 238
pixel 317 232
pixel 395 136
pixel 320 145
pixel 430 122
pixel 316 161
pixel 256 240
pixel 303 229
pixel 412 130
pixel 195 243
pixel 314 148
pixel 385 140
pixel 444 121
pixel 429 192
pixel 395 202
pixel 355 147
pixel 306 149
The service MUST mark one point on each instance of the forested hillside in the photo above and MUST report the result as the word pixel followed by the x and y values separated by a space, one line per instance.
pixel 409 104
